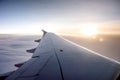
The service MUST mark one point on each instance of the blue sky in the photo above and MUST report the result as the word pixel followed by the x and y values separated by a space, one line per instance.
pixel 29 16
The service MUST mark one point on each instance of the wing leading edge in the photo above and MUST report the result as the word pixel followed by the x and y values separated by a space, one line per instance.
pixel 58 59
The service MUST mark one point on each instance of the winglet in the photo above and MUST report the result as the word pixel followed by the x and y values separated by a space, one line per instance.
pixel 44 32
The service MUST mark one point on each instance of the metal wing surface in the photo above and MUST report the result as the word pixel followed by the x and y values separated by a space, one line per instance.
pixel 56 58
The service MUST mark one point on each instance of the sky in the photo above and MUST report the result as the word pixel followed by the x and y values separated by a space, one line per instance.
pixel 60 16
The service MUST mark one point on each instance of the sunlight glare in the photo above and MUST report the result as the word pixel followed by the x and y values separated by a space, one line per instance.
pixel 101 39
pixel 89 30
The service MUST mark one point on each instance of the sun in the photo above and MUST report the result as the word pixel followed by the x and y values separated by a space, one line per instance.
pixel 89 29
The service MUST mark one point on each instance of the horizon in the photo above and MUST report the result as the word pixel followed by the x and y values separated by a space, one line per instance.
pixel 62 17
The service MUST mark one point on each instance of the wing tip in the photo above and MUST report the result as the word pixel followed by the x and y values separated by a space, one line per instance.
pixel 44 32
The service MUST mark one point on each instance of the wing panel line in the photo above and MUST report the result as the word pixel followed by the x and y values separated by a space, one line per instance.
pixel 58 60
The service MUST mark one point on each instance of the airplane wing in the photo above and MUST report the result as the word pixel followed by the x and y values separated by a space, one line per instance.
pixel 56 58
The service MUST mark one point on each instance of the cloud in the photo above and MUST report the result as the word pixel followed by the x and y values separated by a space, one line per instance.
pixel 13 50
